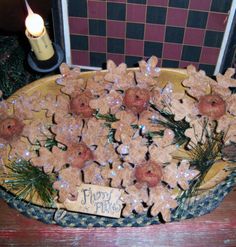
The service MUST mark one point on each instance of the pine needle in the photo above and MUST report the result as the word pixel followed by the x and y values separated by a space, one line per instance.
pixel 49 144
pixel 108 117
pixel 29 181
pixel 178 127
pixel 111 136
pixel 202 157
pixel 151 134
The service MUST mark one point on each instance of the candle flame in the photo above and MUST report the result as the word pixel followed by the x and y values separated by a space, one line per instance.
pixel 30 11
pixel 34 22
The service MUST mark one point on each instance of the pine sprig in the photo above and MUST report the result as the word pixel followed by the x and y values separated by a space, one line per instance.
pixel 108 117
pixel 202 157
pixel 111 136
pixel 49 144
pixel 13 72
pixel 151 134
pixel 28 181
pixel 178 127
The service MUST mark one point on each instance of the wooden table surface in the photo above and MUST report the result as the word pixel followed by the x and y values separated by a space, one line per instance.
pixel 215 229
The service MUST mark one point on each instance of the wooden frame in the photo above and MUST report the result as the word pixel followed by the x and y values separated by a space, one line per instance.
pixel 227 50
pixel 61 26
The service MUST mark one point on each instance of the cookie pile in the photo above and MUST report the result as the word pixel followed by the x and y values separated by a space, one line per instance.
pixel 108 131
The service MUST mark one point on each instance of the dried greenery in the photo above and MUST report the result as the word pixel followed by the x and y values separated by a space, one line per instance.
pixel 178 127
pixel 14 72
pixel 49 144
pixel 29 182
pixel 202 156
pixel 108 117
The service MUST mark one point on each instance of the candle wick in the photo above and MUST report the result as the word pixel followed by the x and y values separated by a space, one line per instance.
pixel 30 11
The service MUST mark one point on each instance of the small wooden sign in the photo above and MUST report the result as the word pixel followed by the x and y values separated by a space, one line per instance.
pixel 97 200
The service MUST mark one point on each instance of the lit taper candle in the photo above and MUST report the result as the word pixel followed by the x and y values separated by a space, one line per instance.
pixel 38 36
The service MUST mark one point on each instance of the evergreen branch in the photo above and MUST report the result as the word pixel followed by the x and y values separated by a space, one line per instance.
pixel 151 134
pixel 111 136
pixel 135 126
pixel 28 180
pixel 202 157
pixel 148 134
pixel 49 144
pixel 178 127
pixel 108 117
